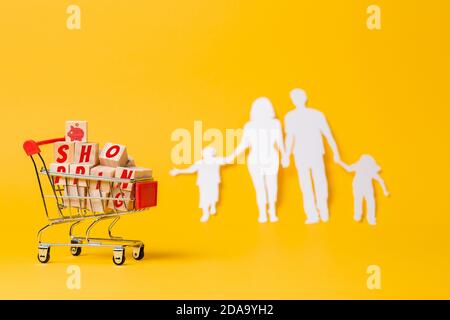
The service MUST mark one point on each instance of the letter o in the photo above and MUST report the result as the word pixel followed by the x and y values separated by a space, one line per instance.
pixel 112 151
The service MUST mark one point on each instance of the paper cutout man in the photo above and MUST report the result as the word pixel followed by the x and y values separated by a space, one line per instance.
pixel 208 180
pixel 366 170
pixel 304 130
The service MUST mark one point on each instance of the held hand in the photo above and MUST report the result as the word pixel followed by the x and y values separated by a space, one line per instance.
pixel 285 161
pixel 341 163
pixel 337 158
pixel 173 172
pixel 344 166
pixel 229 159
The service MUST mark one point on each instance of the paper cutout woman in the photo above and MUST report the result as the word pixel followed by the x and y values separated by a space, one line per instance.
pixel 263 136
pixel 366 170
pixel 208 180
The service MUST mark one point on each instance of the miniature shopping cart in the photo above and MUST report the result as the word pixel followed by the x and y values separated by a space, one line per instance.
pixel 73 209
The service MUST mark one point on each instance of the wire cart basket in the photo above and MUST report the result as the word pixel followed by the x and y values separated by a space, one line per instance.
pixel 73 208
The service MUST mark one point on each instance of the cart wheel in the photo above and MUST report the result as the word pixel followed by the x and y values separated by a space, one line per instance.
pixel 75 251
pixel 43 255
pixel 119 256
pixel 138 253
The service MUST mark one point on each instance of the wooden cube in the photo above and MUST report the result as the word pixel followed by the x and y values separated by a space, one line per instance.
pixel 64 152
pixel 131 173
pixel 62 168
pixel 123 200
pixel 130 162
pixel 102 171
pixel 80 168
pixel 86 153
pixel 141 172
pixel 76 131
pixel 74 191
pixel 113 155
pixel 97 205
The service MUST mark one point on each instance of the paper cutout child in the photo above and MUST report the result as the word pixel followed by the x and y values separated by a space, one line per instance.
pixel 366 170
pixel 208 180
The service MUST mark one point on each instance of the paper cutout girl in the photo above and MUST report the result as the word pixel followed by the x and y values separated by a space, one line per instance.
pixel 366 170
pixel 208 180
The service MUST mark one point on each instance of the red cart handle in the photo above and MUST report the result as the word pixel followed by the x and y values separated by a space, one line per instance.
pixel 31 147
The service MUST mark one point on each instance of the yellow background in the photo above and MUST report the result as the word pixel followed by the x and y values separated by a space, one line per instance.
pixel 137 70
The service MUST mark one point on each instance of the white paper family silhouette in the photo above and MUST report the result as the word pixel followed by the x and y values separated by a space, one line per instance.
pixel 263 136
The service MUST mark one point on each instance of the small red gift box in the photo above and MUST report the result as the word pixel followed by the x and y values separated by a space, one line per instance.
pixel 146 194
